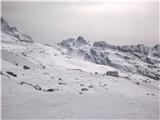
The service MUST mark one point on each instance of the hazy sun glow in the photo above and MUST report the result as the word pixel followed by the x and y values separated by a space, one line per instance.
pixel 128 22
pixel 104 8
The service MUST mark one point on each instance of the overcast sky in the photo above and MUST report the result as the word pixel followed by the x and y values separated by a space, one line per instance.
pixel 115 22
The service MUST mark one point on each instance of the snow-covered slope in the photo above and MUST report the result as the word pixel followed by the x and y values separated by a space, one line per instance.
pixel 60 81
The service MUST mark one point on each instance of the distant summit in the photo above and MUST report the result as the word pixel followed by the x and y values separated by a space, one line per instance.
pixel 72 42
pixel 81 41
pixel 14 32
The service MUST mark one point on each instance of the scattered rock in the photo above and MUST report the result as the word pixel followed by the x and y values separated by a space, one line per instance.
pixel 37 87
pixel 12 74
pixel 24 54
pixel 21 83
pixel 84 89
pixel 45 73
pixel 60 79
pixel 25 67
pixel 62 83
pixel 1 73
pixel 145 81
pixel 153 94
pixel 81 84
pixel 96 73
pixel 91 86
pixel 105 84
pixel 50 90
pixel 148 73
pixel 137 83
pixel 16 64
pixel 80 93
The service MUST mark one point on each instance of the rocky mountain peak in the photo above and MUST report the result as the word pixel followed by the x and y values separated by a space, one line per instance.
pixel 72 42
pixel 81 41
pixel 4 25
pixel 67 43
pixel 14 32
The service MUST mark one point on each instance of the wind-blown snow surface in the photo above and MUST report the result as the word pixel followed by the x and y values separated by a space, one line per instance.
pixel 76 91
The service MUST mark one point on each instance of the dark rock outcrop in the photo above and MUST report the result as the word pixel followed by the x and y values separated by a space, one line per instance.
pixel 148 73
pixel 112 73
pixel 25 67
pixel 84 89
pixel 156 51
pixel 103 44
pixel 11 73
pixel 123 58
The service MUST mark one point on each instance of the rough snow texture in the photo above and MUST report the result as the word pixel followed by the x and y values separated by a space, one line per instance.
pixel 77 80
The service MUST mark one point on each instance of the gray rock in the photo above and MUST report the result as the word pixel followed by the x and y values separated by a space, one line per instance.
pixel 156 51
pixel 148 73
pixel 112 73
pixel 103 44
pixel 84 89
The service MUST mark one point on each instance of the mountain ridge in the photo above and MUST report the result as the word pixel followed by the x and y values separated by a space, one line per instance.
pixel 135 59
pixel 14 32
pixel 106 54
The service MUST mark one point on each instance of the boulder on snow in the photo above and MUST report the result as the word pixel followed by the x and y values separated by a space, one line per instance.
pixel 96 73
pixel 12 74
pixel 112 73
pixel 84 89
pixel 137 83
pixel 62 83
pixel 25 67
pixel 50 90
pixel 90 86
pixel 37 87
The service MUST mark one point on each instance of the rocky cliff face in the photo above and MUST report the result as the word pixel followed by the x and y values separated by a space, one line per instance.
pixel 76 47
pixel 135 59
pixel 13 32
pixel 156 51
